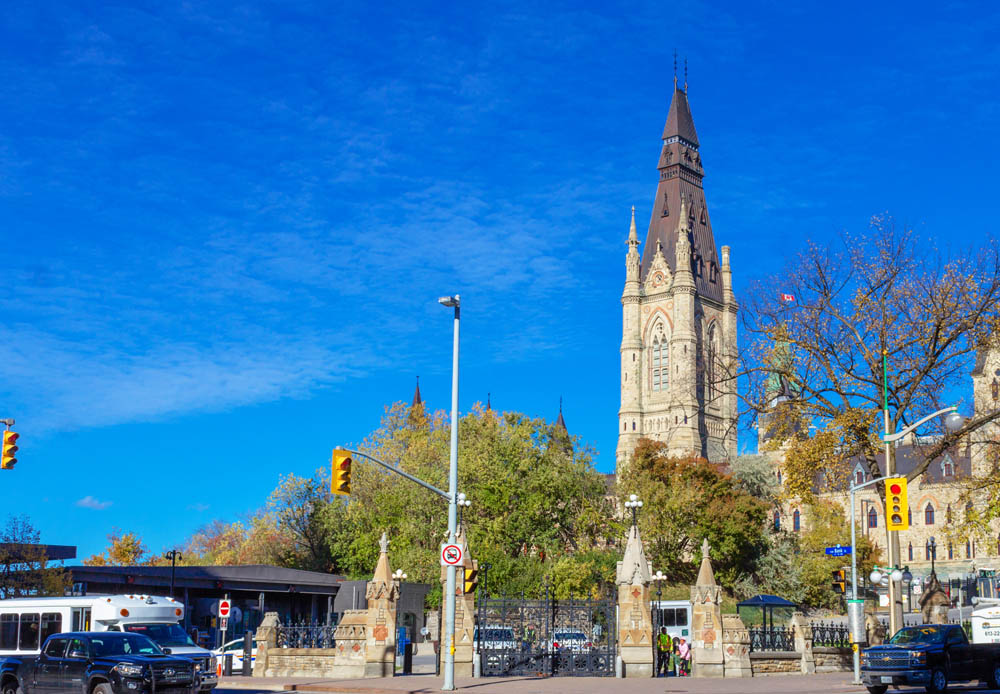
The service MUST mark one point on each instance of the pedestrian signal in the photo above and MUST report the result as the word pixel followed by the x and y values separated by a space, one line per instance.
pixel 7 459
pixel 471 580
pixel 839 581
pixel 340 481
pixel 896 508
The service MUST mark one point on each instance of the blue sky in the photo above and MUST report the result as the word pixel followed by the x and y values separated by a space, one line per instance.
pixel 225 226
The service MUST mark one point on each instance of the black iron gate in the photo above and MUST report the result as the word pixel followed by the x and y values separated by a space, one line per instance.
pixel 545 636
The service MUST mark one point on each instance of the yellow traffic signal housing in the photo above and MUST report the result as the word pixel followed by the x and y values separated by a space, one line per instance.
pixel 471 579
pixel 839 581
pixel 340 480
pixel 7 459
pixel 896 508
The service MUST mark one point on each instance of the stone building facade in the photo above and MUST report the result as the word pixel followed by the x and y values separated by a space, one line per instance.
pixel 678 314
pixel 935 498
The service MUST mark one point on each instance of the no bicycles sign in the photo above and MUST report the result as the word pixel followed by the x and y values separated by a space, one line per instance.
pixel 451 555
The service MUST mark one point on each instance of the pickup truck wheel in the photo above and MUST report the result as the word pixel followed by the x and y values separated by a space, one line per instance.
pixel 994 681
pixel 878 689
pixel 103 688
pixel 10 687
pixel 939 682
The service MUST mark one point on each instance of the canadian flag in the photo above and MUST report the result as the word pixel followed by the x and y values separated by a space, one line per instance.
pixel 787 298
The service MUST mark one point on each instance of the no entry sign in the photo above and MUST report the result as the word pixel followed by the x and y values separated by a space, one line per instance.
pixel 451 555
pixel 225 607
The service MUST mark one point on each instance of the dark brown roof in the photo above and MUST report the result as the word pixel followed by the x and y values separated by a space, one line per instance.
pixel 681 173
pixel 910 455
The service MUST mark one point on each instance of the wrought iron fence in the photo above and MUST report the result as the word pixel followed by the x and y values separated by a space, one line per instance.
pixel 306 635
pixel 831 635
pixel 772 639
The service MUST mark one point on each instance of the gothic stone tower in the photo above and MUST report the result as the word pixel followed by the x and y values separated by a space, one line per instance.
pixel 678 314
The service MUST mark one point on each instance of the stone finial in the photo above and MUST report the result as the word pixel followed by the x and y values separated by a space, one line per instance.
pixel 725 256
pixel 633 569
pixel 633 235
pixel 383 543
pixel 706 577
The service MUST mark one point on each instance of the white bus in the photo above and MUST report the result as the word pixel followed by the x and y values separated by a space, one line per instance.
pixel 675 615
pixel 25 623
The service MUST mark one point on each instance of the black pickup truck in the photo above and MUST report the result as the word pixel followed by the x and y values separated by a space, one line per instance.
pixel 98 663
pixel 931 655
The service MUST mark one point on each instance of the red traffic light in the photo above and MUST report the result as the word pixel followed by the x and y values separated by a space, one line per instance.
pixel 895 489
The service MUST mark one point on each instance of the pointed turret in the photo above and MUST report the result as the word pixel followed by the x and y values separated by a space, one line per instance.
pixel 560 422
pixel 679 121
pixel 417 400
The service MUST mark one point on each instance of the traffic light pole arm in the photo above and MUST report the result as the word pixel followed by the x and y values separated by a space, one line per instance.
pixel 399 472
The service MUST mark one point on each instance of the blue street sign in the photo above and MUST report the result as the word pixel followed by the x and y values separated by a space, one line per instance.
pixel 838 551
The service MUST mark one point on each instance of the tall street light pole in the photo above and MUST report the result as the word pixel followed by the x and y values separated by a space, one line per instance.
pixel 449 603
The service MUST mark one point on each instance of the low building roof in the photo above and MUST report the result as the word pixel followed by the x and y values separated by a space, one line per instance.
pixel 766 601
pixel 260 577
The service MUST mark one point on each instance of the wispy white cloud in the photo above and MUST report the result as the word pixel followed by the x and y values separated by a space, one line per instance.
pixel 92 503
pixel 200 508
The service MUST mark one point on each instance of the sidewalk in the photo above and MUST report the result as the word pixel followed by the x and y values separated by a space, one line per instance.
pixel 429 684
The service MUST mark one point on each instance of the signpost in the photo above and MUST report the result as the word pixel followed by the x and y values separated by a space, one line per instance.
pixel 451 555
pixel 838 551
pixel 225 609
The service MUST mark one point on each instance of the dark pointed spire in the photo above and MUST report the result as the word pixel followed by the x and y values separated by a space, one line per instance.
pixel 488 407
pixel 679 121
pixel 417 400
pixel 560 422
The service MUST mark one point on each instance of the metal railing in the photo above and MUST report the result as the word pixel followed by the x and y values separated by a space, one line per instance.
pixel 772 639
pixel 306 635
pixel 831 635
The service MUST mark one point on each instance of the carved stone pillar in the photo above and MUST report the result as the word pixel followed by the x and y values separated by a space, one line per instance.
pixel 735 647
pixel 635 623
pixel 267 639
pixel 706 621
pixel 803 633
pixel 382 595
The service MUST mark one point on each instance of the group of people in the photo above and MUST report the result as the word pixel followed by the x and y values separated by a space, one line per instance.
pixel 673 655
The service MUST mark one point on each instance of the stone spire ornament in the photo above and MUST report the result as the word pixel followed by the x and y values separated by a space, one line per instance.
pixel 635 622
pixel 706 620
pixel 382 594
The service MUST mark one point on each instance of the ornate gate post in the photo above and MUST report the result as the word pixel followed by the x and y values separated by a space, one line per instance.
pixel 635 623
pixel 382 594
pixel 706 621
pixel 465 611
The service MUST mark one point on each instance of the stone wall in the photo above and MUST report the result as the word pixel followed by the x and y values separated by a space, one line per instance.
pixel 833 659
pixel 345 661
pixel 776 663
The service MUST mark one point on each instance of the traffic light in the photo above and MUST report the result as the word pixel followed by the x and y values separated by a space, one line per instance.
pixel 7 459
pixel 340 482
pixel 471 579
pixel 839 581
pixel 896 507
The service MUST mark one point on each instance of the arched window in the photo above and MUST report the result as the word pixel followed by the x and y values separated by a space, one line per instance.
pixel 929 515
pixel 946 469
pixel 968 550
pixel 968 511
pixel 711 359
pixel 659 359
pixel 859 477
pixel 951 551
pixel 947 514
pixel 872 518
pixel 777 521
pixel 779 476
pixel 796 520
pixel 909 518
pixel 910 551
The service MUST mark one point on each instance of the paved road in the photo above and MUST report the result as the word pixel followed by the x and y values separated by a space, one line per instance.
pixel 428 684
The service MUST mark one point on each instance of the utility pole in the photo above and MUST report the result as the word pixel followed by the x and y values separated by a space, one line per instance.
pixel 449 611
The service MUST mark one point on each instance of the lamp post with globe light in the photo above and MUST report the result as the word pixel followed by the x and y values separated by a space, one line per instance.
pixel 633 504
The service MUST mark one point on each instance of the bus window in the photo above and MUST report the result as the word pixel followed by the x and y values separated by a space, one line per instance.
pixel 81 619
pixel 28 640
pixel 682 617
pixel 51 624
pixel 8 632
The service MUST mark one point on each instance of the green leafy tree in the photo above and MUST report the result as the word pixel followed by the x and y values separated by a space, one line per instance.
pixel 124 549
pixel 827 528
pixel 24 566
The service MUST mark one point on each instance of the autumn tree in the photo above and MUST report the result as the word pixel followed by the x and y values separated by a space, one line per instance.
pixel 687 500
pixel 24 566
pixel 124 549
pixel 883 311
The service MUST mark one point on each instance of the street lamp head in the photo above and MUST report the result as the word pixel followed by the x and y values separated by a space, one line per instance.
pixel 450 301
pixel 896 575
pixel 876 576
pixel 632 497
pixel 907 577
pixel 954 422
pixel 461 497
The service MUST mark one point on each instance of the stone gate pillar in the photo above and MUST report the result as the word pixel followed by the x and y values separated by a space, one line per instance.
pixel 635 623
pixel 735 646
pixel 465 611
pixel 706 621
pixel 382 595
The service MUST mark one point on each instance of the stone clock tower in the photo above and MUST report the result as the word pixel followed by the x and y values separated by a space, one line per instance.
pixel 678 314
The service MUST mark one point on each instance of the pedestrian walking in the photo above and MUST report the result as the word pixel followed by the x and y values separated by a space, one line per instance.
pixel 664 649
pixel 684 651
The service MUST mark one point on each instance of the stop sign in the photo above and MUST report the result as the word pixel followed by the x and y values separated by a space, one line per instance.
pixel 224 608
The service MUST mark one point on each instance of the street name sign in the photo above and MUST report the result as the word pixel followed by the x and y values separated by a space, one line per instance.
pixel 451 555
pixel 838 551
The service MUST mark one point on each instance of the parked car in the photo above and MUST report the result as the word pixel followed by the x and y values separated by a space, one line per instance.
pixel 571 640
pixel 495 638
pixel 235 648
pixel 99 663
pixel 932 656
